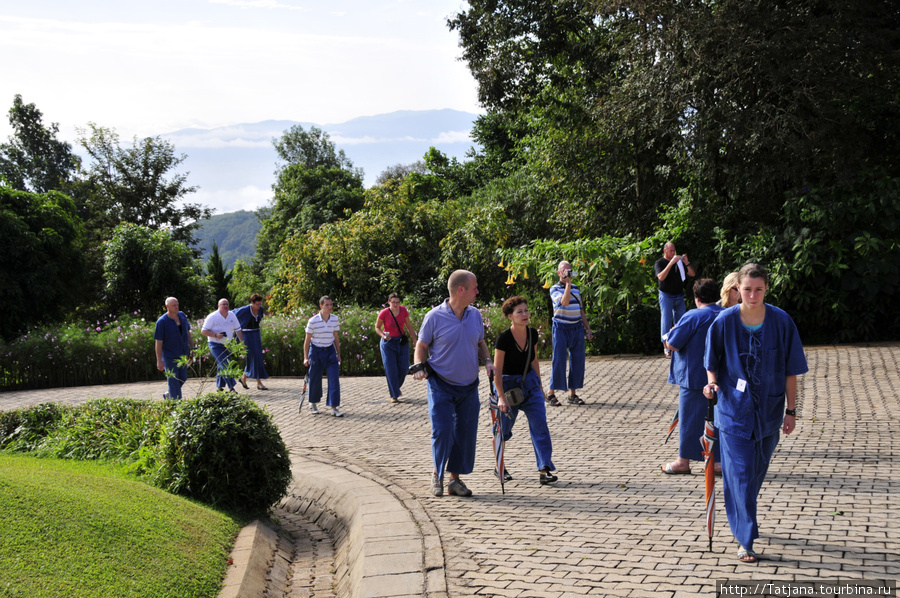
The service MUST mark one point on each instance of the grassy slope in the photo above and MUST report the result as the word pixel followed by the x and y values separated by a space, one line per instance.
pixel 73 529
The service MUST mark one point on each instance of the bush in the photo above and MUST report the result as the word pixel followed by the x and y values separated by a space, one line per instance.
pixel 225 451
pixel 24 430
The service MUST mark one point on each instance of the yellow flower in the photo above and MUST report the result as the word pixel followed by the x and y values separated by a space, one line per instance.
pixel 547 285
pixel 642 261
pixel 525 274
pixel 500 265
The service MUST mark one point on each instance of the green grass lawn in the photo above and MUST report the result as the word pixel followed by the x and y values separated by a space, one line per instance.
pixel 85 529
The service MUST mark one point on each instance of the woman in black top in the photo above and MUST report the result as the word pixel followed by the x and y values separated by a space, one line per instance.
pixel 515 357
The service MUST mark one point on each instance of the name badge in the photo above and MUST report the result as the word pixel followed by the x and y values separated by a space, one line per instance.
pixel 741 385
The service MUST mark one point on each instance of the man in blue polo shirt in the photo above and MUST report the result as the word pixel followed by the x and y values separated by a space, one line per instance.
pixel 452 341
pixel 173 340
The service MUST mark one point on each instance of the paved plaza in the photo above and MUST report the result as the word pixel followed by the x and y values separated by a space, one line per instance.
pixel 613 525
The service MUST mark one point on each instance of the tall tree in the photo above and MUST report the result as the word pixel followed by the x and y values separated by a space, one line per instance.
pixel 143 266
pixel 34 159
pixel 219 278
pixel 616 106
pixel 41 265
pixel 316 183
pixel 136 185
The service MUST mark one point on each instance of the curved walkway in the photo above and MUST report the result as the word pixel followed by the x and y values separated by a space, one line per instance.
pixel 613 525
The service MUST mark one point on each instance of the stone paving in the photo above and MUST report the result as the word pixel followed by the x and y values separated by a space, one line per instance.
pixel 613 525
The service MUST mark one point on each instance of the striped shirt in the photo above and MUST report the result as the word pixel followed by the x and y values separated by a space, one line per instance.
pixel 323 332
pixel 566 314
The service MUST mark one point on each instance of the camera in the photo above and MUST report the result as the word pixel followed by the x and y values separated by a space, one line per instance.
pixel 570 273
pixel 418 367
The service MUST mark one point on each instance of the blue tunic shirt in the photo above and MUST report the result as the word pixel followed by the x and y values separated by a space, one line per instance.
pixel 247 319
pixel 760 363
pixel 689 337
pixel 453 343
pixel 174 340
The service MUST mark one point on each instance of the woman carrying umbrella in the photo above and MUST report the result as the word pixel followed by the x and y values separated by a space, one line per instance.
pixel 250 316
pixel 515 357
pixel 753 357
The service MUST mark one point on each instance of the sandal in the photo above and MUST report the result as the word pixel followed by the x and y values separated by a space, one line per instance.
pixel 553 401
pixel 575 400
pixel 262 386
pixel 747 555
pixel 669 470
pixel 243 381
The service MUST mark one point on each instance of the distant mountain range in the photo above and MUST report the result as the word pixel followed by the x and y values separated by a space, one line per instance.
pixel 234 166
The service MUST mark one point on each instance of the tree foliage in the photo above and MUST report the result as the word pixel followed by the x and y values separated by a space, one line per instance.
pixel 136 185
pixel 616 106
pixel 34 159
pixel 219 278
pixel 144 266
pixel 41 265
pixel 397 243
pixel 316 184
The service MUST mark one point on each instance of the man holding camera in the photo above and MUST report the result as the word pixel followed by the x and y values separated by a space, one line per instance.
pixel 672 271
pixel 570 327
pixel 451 342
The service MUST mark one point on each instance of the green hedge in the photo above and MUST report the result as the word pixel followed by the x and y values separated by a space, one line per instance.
pixel 121 350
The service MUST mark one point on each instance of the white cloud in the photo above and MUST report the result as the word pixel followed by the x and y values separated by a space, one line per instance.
pixel 256 4
pixel 231 200
pixel 453 137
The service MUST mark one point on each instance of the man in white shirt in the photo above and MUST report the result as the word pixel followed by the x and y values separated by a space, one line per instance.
pixel 322 352
pixel 222 324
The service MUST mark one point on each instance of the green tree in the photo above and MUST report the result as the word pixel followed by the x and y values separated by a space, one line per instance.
pixel 244 282
pixel 34 159
pixel 143 266
pixel 615 107
pixel 41 265
pixel 136 185
pixel 219 278
pixel 315 184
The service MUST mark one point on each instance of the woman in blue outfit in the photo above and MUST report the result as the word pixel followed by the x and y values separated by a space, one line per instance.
pixel 515 356
pixel 395 330
pixel 687 342
pixel 753 357
pixel 250 317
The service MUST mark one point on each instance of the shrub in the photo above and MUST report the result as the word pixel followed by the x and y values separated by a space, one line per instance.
pixel 24 430
pixel 226 451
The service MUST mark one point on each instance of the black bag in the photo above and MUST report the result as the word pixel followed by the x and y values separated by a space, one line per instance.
pixel 404 338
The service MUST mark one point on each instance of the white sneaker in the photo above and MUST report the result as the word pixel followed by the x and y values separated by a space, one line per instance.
pixel 314 409
pixel 337 412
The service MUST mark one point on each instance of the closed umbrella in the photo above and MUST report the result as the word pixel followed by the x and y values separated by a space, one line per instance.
pixel 303 394
pixel 708 440
pixel 497 430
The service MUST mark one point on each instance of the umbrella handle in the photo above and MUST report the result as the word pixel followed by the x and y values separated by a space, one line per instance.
pixel 711 406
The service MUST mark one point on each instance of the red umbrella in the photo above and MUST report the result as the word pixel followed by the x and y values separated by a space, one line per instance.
pixel 708 440
pixel 497 430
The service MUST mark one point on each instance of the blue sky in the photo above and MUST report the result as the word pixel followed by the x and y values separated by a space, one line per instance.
pixel 154 66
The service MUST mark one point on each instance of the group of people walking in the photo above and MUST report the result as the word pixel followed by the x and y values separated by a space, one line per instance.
pixel 734 346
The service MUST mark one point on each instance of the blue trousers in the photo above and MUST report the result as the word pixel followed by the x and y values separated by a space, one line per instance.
pixel 255 366
pixel 568 344
pixel 672 307
pixel 692 409
pixel 176 381
pixel 223 358
pixel 396 363
pixel 745 463
pixel 534 409
pixel 324 359
pixel 454 425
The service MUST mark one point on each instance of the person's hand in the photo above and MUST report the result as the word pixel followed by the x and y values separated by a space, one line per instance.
pixel 589 334
pixel 502 404
pixel 675 259
pixel 306 362
pixel 420 375
pixel 709 389
pixel 160 365
pixel 489 368
pixel 790 423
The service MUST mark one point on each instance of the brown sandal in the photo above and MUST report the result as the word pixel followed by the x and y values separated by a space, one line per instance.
pixel 553 401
